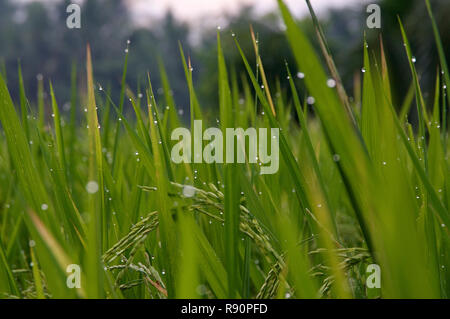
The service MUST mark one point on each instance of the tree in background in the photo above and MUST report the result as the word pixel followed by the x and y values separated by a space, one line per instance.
pixel 44 45
pixel 345 33
pixel 36 34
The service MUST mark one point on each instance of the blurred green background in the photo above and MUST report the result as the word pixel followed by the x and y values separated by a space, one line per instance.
pixel 35 34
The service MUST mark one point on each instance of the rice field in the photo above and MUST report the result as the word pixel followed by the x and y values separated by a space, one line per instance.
pixel 361 190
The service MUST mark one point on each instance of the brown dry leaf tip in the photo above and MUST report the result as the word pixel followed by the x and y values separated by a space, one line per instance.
pixel 190 65
pixel 60 255
pixel 157 286
pixel 261 69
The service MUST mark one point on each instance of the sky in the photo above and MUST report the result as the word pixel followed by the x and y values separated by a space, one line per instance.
pixel 214 12
pixel 194 11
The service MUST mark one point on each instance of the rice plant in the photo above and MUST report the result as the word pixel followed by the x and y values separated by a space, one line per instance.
pixel 359 187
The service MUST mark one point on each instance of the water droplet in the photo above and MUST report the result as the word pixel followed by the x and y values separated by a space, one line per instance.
pixel 331 83
pixel 310 100
pixel 363 70
pixel 44 206
pixel 92 187
pixel 188 191
pixel 413 59
pixel 301 75
pixel 126 50
pixel 336 158
pixel 32 243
